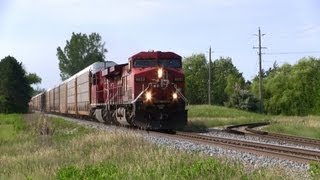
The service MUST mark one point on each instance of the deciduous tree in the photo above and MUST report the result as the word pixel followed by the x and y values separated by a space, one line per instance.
pixel 292 89
pixel 196 75
pixel 79 52
pixel 223 68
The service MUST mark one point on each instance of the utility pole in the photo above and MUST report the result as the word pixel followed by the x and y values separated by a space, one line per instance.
pixel 209 81
pixel 260 68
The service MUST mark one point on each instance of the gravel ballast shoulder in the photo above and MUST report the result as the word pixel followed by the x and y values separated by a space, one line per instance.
pixel 249 160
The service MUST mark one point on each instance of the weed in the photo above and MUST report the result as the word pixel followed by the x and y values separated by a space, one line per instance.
pixel 315 170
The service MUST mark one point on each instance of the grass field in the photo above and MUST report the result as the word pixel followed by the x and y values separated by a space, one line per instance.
pixel 10 126
pixel 50 148
pixel 204 116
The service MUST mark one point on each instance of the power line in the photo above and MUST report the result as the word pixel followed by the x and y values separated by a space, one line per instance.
pixel 300 33
pixel 298 52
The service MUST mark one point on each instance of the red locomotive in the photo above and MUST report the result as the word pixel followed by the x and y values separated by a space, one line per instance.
pixel 146 92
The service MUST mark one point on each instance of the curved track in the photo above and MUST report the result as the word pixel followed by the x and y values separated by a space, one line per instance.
pixel 249 129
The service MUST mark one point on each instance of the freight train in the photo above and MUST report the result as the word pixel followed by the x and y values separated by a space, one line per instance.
pixel 146 92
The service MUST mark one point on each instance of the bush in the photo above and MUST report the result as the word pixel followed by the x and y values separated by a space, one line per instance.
pixel 244 100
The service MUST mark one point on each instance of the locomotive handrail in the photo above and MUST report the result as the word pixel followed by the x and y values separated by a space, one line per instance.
pixel 112 98
pixel 179 92
pixel 141 93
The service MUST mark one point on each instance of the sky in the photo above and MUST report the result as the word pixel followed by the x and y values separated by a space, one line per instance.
pixel 31 30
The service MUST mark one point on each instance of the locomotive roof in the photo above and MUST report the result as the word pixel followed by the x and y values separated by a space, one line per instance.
pixel 155 55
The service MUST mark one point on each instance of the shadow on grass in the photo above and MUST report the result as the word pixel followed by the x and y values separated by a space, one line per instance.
pixel 198 126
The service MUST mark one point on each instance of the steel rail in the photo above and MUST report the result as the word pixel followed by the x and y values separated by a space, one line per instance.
pixel 298 154
pixel 273 136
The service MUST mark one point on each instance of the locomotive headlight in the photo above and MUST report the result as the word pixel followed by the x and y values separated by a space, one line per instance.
pixel 148 96
pixel 174 96
pixel 160 73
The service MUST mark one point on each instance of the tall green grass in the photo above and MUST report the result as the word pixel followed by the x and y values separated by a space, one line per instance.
pixel 306 126
pixel 50 148
pixel 175 168
pixel 219 111
pixel 10 126
pixel 205 116
pixel 211 116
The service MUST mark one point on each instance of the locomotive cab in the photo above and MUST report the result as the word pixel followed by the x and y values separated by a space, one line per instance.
pixel 159 101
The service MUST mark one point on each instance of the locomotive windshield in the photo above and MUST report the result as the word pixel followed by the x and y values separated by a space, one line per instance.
pixel 168 63
pixel 145 63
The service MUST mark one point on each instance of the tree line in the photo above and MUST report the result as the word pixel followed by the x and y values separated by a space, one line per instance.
pixel 292 89
pixel 288 89
pixel 228 86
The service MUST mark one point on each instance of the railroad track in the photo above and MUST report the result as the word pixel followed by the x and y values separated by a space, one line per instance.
pixel 295 154
pixel 288 138
pixel 282 152
pixel 249 129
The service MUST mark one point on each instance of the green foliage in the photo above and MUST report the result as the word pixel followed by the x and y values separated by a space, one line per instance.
pixel 81 51
pixel 224 77
pixel 314 170
pixel 15 90
pixel 244 100
pixel 37 91
pixel 33 78
pixel 196 76
pixel 239 97
pixel 292 89
pixel 233 84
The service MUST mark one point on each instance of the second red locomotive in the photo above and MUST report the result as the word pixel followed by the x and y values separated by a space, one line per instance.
pixel 146 92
